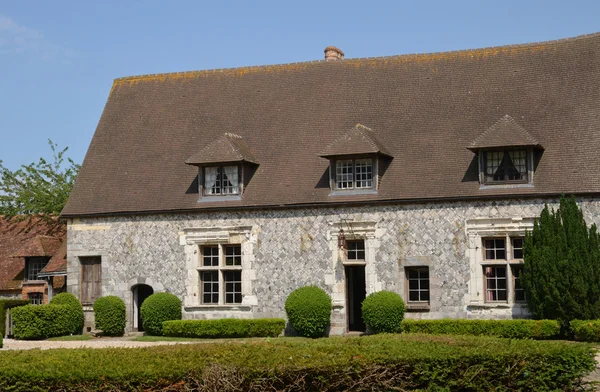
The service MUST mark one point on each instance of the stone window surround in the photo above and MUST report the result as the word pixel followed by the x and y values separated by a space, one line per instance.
pixel 193 238
pixel 478 229
pixel 353 230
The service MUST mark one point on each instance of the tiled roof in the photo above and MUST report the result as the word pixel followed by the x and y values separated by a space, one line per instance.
pixel 505 132
pixel 227 148
pixel 15 233
pixel 58 263
pixel 358 140
pixel 425 109
pixel 40 245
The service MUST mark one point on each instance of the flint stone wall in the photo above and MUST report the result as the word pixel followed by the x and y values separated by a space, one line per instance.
pixel 288 248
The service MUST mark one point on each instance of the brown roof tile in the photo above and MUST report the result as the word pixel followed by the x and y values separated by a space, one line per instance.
pixel 15 233
pixel 358 140
pixel 505 132
pixel 40 245
pixel 58 263
pixel 425 108
pixel 227 148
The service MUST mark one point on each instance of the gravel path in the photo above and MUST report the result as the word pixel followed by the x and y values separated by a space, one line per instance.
pixel 12 344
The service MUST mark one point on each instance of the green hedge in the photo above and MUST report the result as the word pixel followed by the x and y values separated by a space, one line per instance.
pixel 586 330
pixel 8 304
pixel 517 329
pixel 158 308
pixel 309 311
pixel 372 363
pixel 32 322
pixel 224 328
pixel 109 315
pixel 383 312
pixel 74 310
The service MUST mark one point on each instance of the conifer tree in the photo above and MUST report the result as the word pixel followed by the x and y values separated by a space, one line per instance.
pixel 561 274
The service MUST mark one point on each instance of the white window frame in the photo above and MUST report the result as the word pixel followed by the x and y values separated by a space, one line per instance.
pixel 355 162
pixel 221 269
pixel 221 169
pixel 487 228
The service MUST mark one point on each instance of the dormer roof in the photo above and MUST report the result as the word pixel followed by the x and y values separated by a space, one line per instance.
pixel 227 148
pixel 505 132
pixel 358 140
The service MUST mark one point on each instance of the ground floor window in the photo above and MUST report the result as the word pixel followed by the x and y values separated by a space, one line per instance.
pixel 418 284
pixel 36 298
pixel 221 274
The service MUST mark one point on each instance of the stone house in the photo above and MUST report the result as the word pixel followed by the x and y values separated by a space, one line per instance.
pixel 418 174
pixel 33 262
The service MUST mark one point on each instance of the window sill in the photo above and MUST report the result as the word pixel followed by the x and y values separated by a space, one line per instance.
pixel 417 307
pixel 218 307
pixel 353 192
pixel 204 199
pixel 505 185
pixel 354 263
pixel 34 282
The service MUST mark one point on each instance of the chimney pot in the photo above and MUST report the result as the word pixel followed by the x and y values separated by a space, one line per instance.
pixel 333 54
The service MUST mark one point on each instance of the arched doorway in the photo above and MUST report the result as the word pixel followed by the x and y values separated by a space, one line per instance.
pixel 140 293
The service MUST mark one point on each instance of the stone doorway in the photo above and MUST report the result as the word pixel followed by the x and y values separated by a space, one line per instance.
pixel 140 293
pixel 355 294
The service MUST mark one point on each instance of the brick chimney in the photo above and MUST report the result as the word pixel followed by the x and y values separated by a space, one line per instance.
pixel 333 54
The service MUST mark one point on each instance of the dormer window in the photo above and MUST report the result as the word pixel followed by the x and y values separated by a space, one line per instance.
pixel 505 152
pixel 356 159
pixel 224 168
pixel 221 180
pixel 505 166
pixel 354 173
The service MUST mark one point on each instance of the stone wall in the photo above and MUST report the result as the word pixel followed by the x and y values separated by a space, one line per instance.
pixel 288 248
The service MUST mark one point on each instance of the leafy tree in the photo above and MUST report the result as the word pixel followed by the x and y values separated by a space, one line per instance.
pixel 561 274
pixel 38 188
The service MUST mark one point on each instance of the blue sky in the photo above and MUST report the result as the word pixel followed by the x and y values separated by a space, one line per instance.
pixel 58 58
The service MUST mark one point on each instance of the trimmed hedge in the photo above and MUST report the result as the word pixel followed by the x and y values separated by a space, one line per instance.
pixel 383 311
pixel 8 304
pixel 370 363
pixel 309 311
pixel 75 311
pixel 158 308
pixel 224 328
pixel 62 316
pixel 516 329
pixel 586 330
pixel 109 315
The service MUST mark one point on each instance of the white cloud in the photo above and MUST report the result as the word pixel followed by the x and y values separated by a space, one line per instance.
pixel 17 39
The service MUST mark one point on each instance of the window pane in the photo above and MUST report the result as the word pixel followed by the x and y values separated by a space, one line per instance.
pixel 233 255
pixel 344 175
pixel 210 256
pixel 230 180
pixel 210 287
pixel 425 295
pixel 493 168
pixel 495 249
pixel 517 248
pixel 495 283
pixel 364 173
pixel 413 284
pixel 413 296
pixel 233 286
pixel 356 250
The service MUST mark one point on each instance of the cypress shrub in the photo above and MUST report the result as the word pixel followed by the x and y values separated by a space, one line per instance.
pixel 383 312
pixel 309 311
pixel 224 328
pixel 109 315
pixel 74 310
pixel 8 304
pixel 561 272
pixel 158 308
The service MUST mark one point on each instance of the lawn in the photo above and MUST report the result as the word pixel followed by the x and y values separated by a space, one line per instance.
pixel 72 337
pixel 381 362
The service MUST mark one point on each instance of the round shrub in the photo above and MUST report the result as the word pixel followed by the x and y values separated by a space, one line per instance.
pixel 383 312
pixel 308 310
pixel 109 315
pixel 74 311
pixel 158 308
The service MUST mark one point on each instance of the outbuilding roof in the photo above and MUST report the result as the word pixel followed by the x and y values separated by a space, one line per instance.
pixel 424 109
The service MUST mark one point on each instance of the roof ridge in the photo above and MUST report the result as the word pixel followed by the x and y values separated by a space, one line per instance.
pixel 248 68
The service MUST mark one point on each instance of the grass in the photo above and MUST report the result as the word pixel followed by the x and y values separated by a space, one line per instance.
pixel 71 337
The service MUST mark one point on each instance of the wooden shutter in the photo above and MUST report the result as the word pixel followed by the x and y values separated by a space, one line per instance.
pixel 91 279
